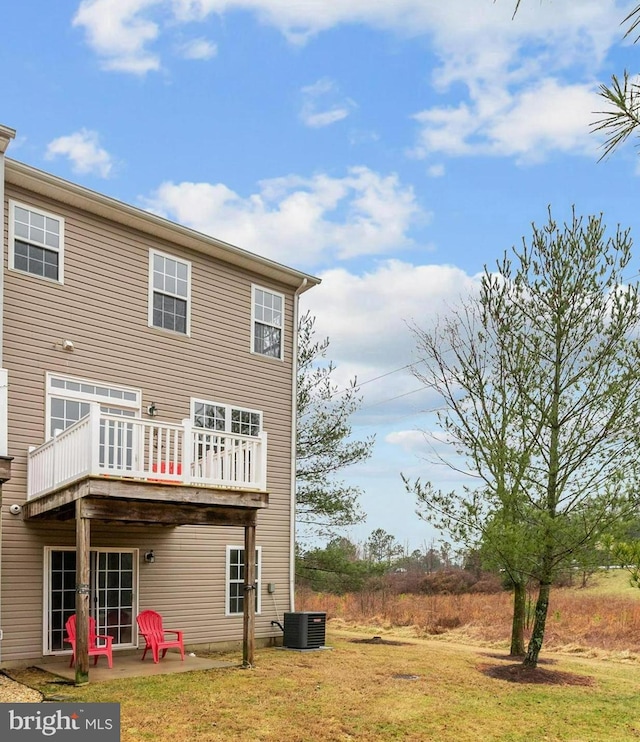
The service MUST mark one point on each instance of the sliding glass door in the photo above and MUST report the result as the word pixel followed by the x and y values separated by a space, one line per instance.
pixel 113 600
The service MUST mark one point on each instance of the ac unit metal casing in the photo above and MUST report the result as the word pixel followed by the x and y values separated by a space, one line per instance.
pixel 304 630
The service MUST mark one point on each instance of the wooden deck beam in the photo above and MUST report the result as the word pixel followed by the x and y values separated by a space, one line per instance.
pixel 173 504
pixel 166 514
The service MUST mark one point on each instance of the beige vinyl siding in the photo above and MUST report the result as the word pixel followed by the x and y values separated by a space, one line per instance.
pixel 102 307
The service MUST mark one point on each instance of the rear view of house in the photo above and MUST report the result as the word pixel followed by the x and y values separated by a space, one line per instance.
pixel 147 399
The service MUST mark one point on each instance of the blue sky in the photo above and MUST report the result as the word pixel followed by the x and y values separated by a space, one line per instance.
pixel 392 147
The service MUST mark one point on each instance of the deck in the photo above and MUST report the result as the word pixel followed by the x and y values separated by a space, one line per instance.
pixel 139 470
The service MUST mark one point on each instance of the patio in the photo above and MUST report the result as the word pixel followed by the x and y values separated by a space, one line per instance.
pixel 129 665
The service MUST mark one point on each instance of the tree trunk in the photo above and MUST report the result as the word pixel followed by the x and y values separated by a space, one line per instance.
pixel 535 643
pixel 519 612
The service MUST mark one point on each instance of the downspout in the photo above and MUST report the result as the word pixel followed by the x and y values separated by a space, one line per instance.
pixel 6 135
pixel 294 446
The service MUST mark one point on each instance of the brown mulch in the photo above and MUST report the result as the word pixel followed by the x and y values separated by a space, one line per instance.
pixel 512 658
pixel 534 675
pixel 380 640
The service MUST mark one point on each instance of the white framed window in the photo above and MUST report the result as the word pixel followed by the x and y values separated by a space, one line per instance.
pixel 169 293
pixel 234 602
pixel 68 399
pixel 36 242
pixel 267 322
pixel 225 418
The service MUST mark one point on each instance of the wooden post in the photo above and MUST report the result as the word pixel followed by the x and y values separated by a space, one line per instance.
pixel 249 616
pixel 83 589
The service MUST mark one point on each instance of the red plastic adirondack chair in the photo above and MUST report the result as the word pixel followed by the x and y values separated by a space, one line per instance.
pixel 95 650
pixel 150 625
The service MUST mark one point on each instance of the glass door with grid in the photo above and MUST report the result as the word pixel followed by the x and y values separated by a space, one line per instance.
pixel 112 601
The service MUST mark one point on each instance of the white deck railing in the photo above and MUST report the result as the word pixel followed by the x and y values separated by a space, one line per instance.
pixel 118 446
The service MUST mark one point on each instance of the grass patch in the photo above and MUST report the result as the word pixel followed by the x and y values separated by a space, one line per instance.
pixel 426 690
pixel 613 582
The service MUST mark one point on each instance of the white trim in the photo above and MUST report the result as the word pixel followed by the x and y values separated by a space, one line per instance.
pixel 4 408
pixel 6 135
pixel 228 409
pixel 294 445
pixel 12 237
pixel 151 291
pixel 227 580
pixel 46 593
pixel 51 391
pixel 255 287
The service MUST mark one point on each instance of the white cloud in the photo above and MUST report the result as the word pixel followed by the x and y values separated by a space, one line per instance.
pixel 381 306
pixel 198 49
pixel 323 104
pixel 434 443
pixel 523 97
pixel 118 32
pixel 412 441
pixel 564 31
pixel 317 120
pixel 530 124
pixel 305 221
pixel 84 151
pixel 506 65
pixel 436 171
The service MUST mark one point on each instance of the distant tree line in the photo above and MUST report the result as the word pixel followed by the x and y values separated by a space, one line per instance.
pixel 342 566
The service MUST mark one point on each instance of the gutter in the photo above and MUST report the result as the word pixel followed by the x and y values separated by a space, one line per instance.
pixel 6 135
pixel 294 447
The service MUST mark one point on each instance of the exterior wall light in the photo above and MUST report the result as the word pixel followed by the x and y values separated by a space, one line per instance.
pixel 149 557
pixel 152 410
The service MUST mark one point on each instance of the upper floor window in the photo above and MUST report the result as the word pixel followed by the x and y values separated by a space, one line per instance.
pixel 68 400
pixel 169 292
pixel 36 242
pixel 267 322
pixel 225 418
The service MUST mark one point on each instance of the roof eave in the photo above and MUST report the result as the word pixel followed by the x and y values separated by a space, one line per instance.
pixel 50 186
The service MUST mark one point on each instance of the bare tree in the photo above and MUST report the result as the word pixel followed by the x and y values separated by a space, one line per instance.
pixel 541 384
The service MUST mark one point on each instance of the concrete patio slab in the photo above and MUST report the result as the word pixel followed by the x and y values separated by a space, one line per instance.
pixel 130 666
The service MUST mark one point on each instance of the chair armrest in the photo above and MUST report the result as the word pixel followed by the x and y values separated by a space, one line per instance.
pixel 109 639
pixel 173 631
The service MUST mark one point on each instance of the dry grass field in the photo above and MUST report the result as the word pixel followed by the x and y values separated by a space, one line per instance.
pixel 417 683
pixel 603 617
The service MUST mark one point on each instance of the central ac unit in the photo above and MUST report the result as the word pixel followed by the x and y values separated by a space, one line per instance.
pixel 304 630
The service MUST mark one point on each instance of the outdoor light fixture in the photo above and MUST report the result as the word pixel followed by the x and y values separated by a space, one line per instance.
pixel 149 557
pixel 152 410
pixel 67 345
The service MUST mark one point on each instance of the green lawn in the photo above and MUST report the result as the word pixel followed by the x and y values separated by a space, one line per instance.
pixel 351 693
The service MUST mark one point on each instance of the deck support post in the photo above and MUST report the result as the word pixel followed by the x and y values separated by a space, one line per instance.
pixel 83 589
pixel 249 613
